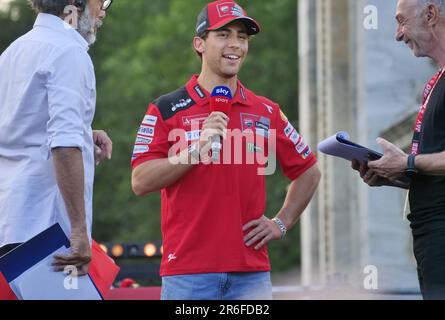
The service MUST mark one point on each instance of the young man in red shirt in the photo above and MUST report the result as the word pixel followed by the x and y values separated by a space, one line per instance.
pixel 213 212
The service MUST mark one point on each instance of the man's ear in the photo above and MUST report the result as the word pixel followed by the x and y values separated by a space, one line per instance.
pixel 433 14
pixel 199 44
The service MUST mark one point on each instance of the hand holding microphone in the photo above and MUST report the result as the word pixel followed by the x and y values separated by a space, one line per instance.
pixel 214 126
pixel 220 103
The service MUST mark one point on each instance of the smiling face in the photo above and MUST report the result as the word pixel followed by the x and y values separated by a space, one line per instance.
pixel 413 27
pixel 224 50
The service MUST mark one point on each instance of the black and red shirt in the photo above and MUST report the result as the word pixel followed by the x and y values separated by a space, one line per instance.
pixel 427 192
pixel 204 212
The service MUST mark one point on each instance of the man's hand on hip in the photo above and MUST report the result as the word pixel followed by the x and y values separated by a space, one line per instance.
pixel 262 231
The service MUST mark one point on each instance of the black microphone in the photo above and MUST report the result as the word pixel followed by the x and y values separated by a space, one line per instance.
pixel 220 101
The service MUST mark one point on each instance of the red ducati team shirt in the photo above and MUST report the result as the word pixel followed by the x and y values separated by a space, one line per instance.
pixel 204 212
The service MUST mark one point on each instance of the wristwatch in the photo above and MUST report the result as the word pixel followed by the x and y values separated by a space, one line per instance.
pixel 194 152
pixel 411 170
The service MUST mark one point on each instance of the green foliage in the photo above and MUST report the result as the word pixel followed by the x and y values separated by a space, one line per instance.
pixel 14 22
pixel 144 50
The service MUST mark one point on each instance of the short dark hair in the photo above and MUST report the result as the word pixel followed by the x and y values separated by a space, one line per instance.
pixel 55 7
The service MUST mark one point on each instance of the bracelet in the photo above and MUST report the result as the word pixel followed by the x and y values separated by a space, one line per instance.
pixel 281 226
pixel 194 152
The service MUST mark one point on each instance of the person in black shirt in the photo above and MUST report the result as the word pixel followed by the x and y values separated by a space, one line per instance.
pixel 421 25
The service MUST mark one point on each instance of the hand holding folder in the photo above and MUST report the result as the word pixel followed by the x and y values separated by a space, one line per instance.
pixel 28 273
pixel 339 145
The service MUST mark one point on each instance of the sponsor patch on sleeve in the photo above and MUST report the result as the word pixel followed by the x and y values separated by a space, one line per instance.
pixel 150 120
pixel 294 137
pixel 301 147
pixel 146 131
pixel 143 140
pixel 138 149
pixel 306 153
pixel 288 130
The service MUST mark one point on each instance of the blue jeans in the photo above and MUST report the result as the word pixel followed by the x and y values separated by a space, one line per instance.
pixel 218 286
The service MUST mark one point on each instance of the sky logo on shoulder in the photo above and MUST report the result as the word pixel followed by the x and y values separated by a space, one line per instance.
pixel 150 120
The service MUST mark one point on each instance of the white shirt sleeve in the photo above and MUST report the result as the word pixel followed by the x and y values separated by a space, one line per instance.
pixel 69 83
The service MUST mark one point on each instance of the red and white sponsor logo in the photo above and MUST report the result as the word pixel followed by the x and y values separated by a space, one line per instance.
pixel 229 9
pixel 223 9
pixel 248 121
pixel 301 147
pixel 194 120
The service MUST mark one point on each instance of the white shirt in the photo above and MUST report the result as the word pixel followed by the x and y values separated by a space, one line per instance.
pixel 47 100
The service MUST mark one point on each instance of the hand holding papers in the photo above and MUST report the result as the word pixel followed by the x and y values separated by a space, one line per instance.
pixel 339 146
pixel 28 272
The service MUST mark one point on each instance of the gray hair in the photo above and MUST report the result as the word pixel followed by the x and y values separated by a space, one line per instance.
pixel 55 7
pixel 421 4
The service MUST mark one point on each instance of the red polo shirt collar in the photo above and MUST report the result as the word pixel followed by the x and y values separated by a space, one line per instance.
pixel 201 96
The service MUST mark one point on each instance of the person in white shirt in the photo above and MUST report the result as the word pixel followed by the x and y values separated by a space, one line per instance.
pixel 47 146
